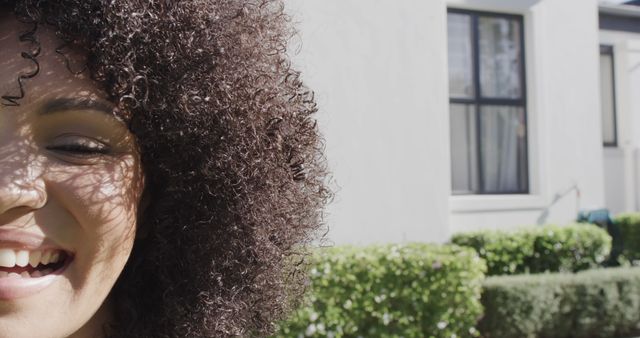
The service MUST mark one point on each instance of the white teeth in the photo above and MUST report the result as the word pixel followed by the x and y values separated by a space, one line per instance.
pixel 22 258
pixel 7 258
pixel 25 274
pixel 34 258
pixel 46 258
pixel 55 257
pixel 11 258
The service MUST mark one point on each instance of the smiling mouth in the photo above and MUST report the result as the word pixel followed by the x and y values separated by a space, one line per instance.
pixel 31 263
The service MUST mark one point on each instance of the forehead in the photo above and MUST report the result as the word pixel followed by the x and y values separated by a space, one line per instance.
pixel 55 79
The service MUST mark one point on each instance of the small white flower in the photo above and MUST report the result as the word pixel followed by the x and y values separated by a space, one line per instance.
pixel 311 330
pixel 386 318
pixel 442 325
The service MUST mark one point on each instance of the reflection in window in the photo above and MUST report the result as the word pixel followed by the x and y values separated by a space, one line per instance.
pixel 607 97
pixel 460 56
pixel 487 103
pixel 499 44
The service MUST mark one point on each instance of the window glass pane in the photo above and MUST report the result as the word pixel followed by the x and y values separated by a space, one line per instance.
pixel 500 57
pixel 607 99
pixel 489 146
pixel 503 149
pixel 464 150
pixel 460 56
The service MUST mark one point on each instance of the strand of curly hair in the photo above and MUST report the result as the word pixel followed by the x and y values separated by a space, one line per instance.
pixel 233 159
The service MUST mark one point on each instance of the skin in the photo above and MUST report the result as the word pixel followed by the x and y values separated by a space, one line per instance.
pixel 82 201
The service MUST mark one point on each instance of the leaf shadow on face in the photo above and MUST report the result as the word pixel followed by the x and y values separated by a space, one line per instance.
pixel 90 206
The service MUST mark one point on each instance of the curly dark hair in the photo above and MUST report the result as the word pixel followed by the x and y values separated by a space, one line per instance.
pixel 233 159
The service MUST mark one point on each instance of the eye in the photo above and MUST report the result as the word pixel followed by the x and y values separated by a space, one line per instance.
pixel 79 146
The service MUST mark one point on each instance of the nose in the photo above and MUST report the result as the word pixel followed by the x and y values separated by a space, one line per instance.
pixel 21 185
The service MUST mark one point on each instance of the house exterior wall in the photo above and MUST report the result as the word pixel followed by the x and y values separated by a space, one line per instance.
pixel 379 70
pixel 561 46
pixel 622 162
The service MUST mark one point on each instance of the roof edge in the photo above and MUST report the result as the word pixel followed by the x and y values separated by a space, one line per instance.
pixel 619 10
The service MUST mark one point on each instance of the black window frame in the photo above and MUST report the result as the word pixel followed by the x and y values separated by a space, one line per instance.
pixel 608 50
pixel 478 101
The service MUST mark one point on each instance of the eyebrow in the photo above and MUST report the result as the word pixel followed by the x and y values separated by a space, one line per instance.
pixel 66 104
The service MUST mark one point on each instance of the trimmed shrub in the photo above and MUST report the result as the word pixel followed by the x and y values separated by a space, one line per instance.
pixel 595 303
pixel 413 290
pixel 629 226
pixel 539 249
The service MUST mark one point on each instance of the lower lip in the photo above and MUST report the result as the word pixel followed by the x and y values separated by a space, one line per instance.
pixel 19 287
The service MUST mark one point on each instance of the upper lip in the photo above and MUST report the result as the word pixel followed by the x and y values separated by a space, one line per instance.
pixel 20 239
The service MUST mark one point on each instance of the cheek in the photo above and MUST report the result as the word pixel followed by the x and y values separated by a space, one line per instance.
pixel 102 200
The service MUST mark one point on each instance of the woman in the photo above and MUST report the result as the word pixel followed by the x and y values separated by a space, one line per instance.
pixel 160 169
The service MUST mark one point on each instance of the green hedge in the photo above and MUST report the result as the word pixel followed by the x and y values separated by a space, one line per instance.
pixel 596 303
pixel 413 290
pixel 539 249
pixel 629 226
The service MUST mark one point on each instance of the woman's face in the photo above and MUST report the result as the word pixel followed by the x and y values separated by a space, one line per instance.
pixel 70 183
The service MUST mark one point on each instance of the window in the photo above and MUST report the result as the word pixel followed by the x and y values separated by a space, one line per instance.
pixel 607 97
pixel 487 103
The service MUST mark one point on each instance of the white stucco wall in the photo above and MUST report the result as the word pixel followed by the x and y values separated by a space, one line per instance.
pixel 378 68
